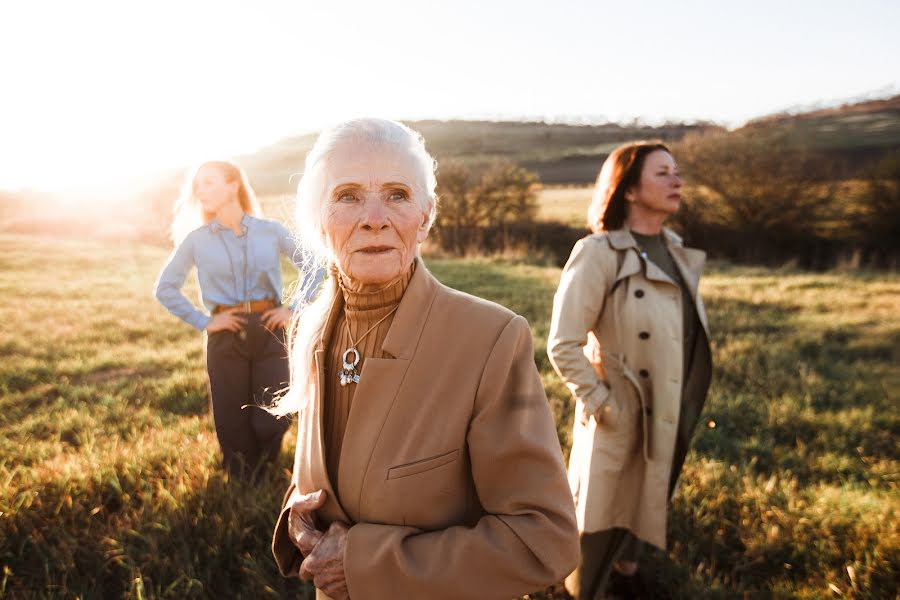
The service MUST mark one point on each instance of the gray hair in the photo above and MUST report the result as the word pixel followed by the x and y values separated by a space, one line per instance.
pixel 309 325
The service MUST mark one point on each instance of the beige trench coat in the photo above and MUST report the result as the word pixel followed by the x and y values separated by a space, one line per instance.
pixel 616 341
pixel 452 479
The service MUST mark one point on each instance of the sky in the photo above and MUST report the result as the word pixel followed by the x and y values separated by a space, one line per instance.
pixel 100 91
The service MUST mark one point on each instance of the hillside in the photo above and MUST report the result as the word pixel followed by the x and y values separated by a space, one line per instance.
pixel 571 154
pixel 853 135
pixel 559 153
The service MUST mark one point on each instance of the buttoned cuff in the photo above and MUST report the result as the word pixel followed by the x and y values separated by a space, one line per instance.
pixel 287 556
pixel 199 320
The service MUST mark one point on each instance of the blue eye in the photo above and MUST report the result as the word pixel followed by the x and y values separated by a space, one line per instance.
pixel 398 196
pixel 346 197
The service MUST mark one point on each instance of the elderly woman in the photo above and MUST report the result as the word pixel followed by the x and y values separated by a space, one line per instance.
pixel 629 338
pixel 427 461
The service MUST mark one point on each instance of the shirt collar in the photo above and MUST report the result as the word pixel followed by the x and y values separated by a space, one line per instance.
pixel 216 227
pixel 620 239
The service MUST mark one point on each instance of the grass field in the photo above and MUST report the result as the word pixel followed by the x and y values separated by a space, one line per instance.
pixel 109 485
pixel 565 204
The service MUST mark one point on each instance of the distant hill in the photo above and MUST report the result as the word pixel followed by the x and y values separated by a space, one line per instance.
pixel 572 154
pixel 856 134
pixel 559 153
pixel 882 105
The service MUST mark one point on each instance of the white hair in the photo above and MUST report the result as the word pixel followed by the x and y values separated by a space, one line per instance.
pixel 309 325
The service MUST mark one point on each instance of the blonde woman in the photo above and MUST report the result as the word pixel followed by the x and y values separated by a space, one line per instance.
pixel 629 338
pixel 219 229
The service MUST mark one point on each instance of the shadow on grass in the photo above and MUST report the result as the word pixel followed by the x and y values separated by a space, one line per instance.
pixel 145 531
pixel 793 391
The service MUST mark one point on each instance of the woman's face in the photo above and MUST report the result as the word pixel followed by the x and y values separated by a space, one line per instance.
pixel 659 189
pixel 213 190
pixel 372 215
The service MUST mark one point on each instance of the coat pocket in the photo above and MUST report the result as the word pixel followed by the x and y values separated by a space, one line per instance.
pixel 632 401
pixel 425 464
pixel 623 406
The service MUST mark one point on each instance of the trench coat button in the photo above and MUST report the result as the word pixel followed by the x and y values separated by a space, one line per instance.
pixel 639 293
pixel 644 373
pixel 644 335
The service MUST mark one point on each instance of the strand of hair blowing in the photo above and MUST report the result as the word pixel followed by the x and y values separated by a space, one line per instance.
pixel 307 327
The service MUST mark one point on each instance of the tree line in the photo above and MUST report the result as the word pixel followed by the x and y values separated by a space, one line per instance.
pixel 754 196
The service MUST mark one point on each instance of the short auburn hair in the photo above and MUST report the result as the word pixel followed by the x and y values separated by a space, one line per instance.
pixel 620 172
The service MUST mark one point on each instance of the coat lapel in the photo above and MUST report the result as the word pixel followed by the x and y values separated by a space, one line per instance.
pixel 633 262
pixel 318 467
pixel 379 384
pixel 690 263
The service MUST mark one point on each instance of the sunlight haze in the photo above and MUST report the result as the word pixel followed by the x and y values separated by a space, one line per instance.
pixel 102 91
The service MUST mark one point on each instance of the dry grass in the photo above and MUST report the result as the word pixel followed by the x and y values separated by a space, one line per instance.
pixel 565 204
pixel 109 485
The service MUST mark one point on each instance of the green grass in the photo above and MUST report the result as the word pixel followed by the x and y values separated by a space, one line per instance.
pixel 109 478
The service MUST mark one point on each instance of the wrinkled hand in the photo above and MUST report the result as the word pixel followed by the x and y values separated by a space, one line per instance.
pixel 301 524
pixel 277 317
pixel 325 564
pixel 228 320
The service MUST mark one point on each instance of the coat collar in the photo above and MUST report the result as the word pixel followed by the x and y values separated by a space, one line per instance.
pixel 635 262
pixel 689 262
pixel 621 239
pixel 409 321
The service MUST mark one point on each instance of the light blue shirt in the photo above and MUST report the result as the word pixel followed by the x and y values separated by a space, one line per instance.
pixel 233 269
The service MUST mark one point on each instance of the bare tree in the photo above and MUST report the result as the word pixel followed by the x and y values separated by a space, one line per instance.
pixel 505 194
pixel 759 184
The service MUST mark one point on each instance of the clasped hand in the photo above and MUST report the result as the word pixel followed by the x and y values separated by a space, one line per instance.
pixel 323 552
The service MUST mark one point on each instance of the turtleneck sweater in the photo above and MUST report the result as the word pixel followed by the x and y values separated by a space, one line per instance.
pixel 360 311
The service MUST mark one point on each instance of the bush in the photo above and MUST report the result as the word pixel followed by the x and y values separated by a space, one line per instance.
pixel 474 212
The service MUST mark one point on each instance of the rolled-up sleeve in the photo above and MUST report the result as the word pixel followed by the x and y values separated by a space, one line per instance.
pixel 576 308
pixel 170 282
pixel 526 540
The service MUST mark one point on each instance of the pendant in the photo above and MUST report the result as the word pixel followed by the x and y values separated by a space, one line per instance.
pixel 348 372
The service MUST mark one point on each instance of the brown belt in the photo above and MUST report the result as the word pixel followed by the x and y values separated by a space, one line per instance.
pixel 254 306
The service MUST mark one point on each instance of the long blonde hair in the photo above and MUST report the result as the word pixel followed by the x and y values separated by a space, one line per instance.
pixel 188 213
pixel 307 329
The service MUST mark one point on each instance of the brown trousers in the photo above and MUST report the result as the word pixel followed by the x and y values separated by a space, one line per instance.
pixel 246 371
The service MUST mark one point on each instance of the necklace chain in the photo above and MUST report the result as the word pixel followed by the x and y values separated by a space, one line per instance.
pixel 351 356
pixel 369 330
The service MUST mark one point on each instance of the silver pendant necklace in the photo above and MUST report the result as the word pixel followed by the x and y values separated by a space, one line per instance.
pixel 348 373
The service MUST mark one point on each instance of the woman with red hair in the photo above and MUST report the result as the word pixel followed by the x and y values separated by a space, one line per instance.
pixel 630 340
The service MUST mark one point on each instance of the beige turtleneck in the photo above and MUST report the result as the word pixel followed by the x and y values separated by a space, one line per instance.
pixel 361 310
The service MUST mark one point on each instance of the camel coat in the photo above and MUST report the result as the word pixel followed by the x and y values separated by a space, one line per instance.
pixel 451 479
pixel 616 341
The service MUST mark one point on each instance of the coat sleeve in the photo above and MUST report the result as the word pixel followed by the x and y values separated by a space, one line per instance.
pixel 287 555
pixel 526 540
pixel 583 287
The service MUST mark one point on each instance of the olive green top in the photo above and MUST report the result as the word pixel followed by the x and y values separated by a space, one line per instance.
pixel 654 248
